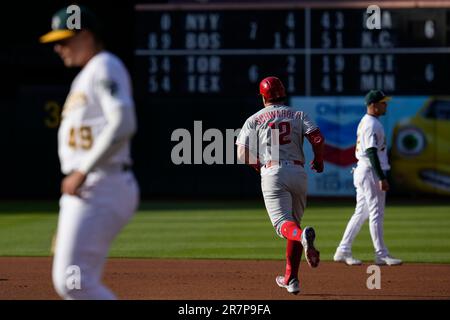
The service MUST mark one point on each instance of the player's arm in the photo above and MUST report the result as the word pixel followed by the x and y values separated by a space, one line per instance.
pixel 317 140
pixel 372 154
pixel 120 127
pixel 245 156
pixel 118 108
pixel 246 145
pixel 371 143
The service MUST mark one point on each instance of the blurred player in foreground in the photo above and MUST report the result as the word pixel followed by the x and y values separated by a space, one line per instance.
pixel 271 141
pixel 99 191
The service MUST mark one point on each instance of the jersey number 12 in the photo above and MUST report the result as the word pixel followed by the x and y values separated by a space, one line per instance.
pixel 284 128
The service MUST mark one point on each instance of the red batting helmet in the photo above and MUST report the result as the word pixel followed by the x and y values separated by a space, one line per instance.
pixel 272 88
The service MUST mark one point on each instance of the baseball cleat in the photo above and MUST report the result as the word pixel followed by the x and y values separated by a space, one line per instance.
pixel 387 260
pixel 347 258
pixel 292 287
pixel 312 255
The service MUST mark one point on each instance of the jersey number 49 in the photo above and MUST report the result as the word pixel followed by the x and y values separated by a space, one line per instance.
pixel 81 138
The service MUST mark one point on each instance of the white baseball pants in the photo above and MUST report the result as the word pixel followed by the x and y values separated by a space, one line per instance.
pixel 284 190
pixel 87 226
pixel 370 203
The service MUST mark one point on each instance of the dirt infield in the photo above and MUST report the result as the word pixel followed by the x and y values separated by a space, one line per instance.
pixel 158 279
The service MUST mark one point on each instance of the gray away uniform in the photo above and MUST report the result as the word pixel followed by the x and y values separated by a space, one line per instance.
pixel 275 134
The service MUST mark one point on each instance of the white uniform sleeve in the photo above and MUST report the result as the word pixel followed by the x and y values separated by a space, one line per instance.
pixel 308 124
pixel 370 138
pixel 248 136
pixel 112 89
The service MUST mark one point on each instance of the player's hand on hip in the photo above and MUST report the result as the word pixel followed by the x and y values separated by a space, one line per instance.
pixel 317 165
pixel 384 185
pixel 72 183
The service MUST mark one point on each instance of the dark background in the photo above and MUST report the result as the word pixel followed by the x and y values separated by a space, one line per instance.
pixel 32 76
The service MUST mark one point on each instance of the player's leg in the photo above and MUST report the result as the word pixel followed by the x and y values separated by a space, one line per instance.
pixel 72 250
pixel 298 188
pixel 69 223
pixel 360 215
pixel 292 232
pixel 85 232
pixel 355 223
pixel 292 203
pixel 376 226
pixel 293 257
pixel 376 199
pixel 278 202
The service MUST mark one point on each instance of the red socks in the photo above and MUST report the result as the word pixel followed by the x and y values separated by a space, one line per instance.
pixel 293 256
pixel 292 232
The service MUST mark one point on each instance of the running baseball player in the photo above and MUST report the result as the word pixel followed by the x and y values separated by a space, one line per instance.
pixel 370 182
pixel 99 191
pixel 271 141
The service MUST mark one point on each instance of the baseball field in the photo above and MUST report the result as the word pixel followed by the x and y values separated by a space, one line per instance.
pixel 229 250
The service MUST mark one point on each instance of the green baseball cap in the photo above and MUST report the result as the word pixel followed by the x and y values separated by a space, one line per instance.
pixel 65 23
pixel 376 96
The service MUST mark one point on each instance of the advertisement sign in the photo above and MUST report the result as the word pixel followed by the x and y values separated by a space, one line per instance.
pixel 338 119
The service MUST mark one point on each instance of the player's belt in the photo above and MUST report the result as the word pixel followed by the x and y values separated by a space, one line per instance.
pixel 274 163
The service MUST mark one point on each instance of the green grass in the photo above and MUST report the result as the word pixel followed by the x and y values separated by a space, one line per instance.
pixel 234 230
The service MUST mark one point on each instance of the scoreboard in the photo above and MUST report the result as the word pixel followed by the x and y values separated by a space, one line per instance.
pixel 202 62
pixel 224 50
pixel 205 61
